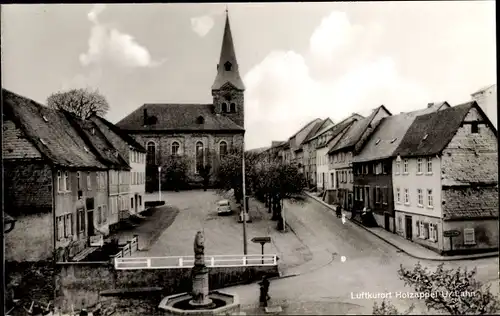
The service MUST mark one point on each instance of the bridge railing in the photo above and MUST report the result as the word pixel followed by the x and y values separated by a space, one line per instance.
pixel 132 263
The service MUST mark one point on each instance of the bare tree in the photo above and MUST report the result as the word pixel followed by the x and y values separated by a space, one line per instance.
pixel 82 102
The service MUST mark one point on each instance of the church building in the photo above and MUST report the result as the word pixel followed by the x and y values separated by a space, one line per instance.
pixel 198 132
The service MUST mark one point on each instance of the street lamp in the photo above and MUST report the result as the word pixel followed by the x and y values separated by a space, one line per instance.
pixel 244 203
pixel 159 183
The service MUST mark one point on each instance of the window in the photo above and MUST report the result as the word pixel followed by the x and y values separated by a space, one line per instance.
pixel 60 227
pixel 60 187
pixel 151 155
pixel 433 232
pixel 405 166
pixel 228 66
pixel 67 186
pixel 175 148
pixel 81 220
pixel 232 108
pixel 99 215
pixel 200 157
pixel 419 165
pixel 418 228
pixel 224 107
pixel 98 180
pixel 474 129
pixel 385 169
pixel 398 195
pixel 140 200
pixel 385 195
pixel 89 182
pixel 421 230
pixel 78 180
pixel 104 214
pixel 407 197
pixel 469 236
pixel 429 164
pixel 351 175
pixel 398 167
pixel 222 148
pixel 430 201
pixel 420 198
pixel 132 202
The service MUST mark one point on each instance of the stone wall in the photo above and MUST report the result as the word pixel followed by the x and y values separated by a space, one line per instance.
pixel 81 284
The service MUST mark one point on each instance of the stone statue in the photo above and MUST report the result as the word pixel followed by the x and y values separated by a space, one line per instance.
pixel 199 244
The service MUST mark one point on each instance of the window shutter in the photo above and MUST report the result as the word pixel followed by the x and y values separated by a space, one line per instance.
pixel 418 228
pixel 435 232
pixel 426 230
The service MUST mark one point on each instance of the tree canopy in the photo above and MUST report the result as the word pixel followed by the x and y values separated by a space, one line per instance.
pixel 82 102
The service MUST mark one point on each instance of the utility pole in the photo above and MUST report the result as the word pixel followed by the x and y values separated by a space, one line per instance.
pixel 244 202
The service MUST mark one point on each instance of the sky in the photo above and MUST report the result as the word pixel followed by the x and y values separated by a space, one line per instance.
pixel 298 61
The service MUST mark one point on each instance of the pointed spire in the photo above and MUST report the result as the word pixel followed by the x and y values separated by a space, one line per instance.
pixel 227 69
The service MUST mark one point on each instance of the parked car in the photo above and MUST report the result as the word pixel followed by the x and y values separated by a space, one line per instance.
pixel 224 208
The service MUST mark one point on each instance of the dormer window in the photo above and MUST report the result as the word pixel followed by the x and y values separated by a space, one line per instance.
pixel 232 108
pixel 377 142
pixel 425 136
pixel 393 140
pixel 43 141
pixel 200 120
pixel 86 149
pixel 228 66
pixel 224 107
pixel 92 131
pixel 45 118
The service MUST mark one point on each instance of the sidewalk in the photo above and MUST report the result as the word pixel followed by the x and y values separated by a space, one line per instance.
pixel 412 249
pixel 150 228
pixel 295 260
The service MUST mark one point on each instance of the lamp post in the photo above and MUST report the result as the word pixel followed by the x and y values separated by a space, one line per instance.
pixel 159 183
pixel 244 203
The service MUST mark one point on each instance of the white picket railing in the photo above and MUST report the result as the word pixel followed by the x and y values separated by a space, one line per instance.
pixel 132 263
pixel 127 250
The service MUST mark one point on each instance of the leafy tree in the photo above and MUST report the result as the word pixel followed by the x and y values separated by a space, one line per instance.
pixel 454 291
pixel 174 171
pixel 387 308
pixel 82 102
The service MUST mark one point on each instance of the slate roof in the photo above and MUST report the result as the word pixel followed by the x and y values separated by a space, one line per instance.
pixel 120 133
pixel 173 117
pixel 95 138
pixel 355 132
pixel 227 54
pixel 337 129
pixel 54 137
pixel 305 126
pixel 315 130
pixel 440 127
pixel 389 134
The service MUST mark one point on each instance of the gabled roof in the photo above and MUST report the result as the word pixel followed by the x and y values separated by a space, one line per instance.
pixel 306 126
pixel 389 134
pixel 315 129
pixel 355 132
pixel 429 134
pixel 227 55
pixel 94 137
pixel 50 132
pixel 172 117
pixel 337 129
pixel 120 133
pixel 484 89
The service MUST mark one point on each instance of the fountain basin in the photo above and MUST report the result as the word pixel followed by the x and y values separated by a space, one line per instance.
pixel 223 304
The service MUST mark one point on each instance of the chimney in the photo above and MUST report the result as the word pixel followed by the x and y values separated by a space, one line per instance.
pixel 145 117
pixel 430 104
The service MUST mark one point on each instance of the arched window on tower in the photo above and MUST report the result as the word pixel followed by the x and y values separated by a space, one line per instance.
pixel 151 153
pixel 232 108
pixel 200 157
pixel 222 148
pixel 224 107
pixel 228 66
pixel 175 148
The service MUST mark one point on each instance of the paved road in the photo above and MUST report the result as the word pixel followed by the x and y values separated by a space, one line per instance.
pixel 361 263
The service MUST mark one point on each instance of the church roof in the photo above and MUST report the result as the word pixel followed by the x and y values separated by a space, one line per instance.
pixel 177 117
pixel 227 55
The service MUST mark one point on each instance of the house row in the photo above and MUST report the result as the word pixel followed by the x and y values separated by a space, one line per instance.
pixel 66 179
pixel 424 175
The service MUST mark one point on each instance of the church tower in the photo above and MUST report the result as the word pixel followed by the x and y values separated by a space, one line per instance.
pixel 228 88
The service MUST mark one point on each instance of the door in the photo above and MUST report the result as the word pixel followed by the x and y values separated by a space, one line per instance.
pixel 409 226
pixel 323 184
pixel 387 220
pixel 90 220
pixel 349 201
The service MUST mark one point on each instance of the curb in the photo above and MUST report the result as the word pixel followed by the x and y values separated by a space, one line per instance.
pixel 487 255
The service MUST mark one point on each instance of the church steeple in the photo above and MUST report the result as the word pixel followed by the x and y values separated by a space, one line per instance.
pixel 227 69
